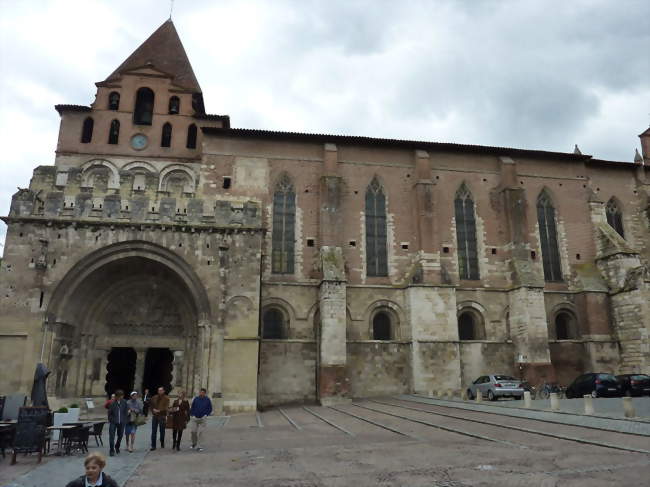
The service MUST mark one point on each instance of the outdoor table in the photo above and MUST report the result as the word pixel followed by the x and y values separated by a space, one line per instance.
pixel 59 445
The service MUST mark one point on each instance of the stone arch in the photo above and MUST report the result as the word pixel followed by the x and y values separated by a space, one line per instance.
pixel 392 310
pixel 96 260
pixel 140 172
pixel 563 323
pixel 471 321
pixel 275 322
pixel 190 186
pixel 87 173
pixel 133 165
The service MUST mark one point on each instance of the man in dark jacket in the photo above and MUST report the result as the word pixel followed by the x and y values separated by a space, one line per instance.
pixel 117 418
pixel 159 406
pixel 201 409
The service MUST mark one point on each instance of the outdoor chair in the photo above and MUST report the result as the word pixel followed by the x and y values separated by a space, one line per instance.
pixel 97 430
pixel 78 438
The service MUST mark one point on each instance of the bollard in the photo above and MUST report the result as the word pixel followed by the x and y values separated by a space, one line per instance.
pixel 589 404
pixel 628 407
pixel 431 393
pixel 450 394
pixel 555 402
pixel 527 401
pixel 463 395
pixel 479 396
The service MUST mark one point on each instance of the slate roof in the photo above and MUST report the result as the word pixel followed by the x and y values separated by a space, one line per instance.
pixel 164 51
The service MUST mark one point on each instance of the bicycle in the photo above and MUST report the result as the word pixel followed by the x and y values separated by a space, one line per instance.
pixel 545 389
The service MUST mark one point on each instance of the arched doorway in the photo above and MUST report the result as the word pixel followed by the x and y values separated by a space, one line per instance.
pixel 134 309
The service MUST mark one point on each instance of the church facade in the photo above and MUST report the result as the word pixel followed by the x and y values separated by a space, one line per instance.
pixel 164 247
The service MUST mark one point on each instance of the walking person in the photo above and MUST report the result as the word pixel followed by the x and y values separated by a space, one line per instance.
pixel 117 418
pixel 95 477
pixel 135 415
pixel 180 416
pixel 146 398
pixel 201 409
pixel 159 406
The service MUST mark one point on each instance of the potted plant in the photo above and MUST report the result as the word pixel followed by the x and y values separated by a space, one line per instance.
pixel 73 411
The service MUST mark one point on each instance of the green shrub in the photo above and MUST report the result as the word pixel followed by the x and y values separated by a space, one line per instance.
pixel 62 410
pixel 74 405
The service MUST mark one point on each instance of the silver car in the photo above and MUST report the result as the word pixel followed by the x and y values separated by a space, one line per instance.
pixel 495 386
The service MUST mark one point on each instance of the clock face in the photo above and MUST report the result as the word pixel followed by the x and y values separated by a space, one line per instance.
pixel 139 141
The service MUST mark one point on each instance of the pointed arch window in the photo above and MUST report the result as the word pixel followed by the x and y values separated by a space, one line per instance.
pixel 87 130
pixel 166 136
pixel 548 238
pixel 191 137
pixel 284 217
pixel 143 113
pixel 174 105
pixel 114 101
pixel 615 216
pixel 466 234
pixel 376 248
pixel 114 132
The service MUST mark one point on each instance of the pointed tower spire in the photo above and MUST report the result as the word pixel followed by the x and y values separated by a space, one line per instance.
pixel 637 157
pixel 576 150
pixel 164 51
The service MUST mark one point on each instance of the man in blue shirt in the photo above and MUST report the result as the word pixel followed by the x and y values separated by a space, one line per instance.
pixel 200 410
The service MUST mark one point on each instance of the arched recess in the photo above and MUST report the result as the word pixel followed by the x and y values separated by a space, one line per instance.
pixel 87 173
pixel 140 171
pixel 275 323
pixel 471 321
pixel 139 165
pixel 169 171
pixel 392 311
pixel 563 324
pixel 614 214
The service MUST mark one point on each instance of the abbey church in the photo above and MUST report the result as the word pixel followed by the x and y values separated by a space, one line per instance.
pixel 164 247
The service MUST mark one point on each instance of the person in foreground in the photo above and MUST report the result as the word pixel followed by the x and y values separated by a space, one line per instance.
pixel 201 409
pixel 94 477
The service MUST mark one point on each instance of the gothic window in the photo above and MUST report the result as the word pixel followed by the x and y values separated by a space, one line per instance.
pixel 548 238
pixel 470 325
pixel 114 101
pixel 166 137
pixel 114 132
pixel 174 105
pixel 466 234
pixel 615 216
pixel 376 251
pixel 283 237
pixel 143 113
pixel 191 137
pixel 273 324
pixel 381 326
pixel 87 130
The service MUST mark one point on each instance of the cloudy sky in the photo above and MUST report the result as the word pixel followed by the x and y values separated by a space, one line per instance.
pixel 536 74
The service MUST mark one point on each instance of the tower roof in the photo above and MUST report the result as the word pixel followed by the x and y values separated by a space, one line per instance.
pixel 164 51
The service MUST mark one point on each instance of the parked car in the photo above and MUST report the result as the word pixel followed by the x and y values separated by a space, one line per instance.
pixel 596 384
pixel 495 386
pixel 635 384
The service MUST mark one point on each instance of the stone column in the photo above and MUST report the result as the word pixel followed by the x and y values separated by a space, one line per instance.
pixel 333 382
pixel 427 268
pixel 138 377
pixel 205 331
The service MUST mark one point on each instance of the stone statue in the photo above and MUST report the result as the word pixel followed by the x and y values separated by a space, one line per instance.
pixel 39 389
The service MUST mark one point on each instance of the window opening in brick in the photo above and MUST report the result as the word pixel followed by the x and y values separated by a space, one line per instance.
pixel 166 135
pixel 445 250
pixel 114 132
pixel 565 326
pixel 376 242
pixel 191 137
pixel 226 182
pixel 87 130
pixel 381 326
pixel 114 101
pixel 353 243
pixel 207 246
pixel 533 254
pixel 548 238
pixel 144 101
pixel 310 242
pixel 615 216
pixel 273 324
pixel 283 236
pixel 494 251
pixel 127 207
pixel 577 256
pixel 209 263
pixel 405 246
pixel 466 234
pixel 20 234
pixel 174 105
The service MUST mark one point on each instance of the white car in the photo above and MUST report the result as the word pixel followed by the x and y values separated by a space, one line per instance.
pixel 495 386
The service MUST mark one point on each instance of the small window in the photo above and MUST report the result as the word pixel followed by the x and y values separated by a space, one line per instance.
pixel 114 132
pixel 191 137
pixel 565 326
pixel 381 329
pixel 615 217
pixel 310 242
pixel 470 325
pixel 87 130
pixel 226 182
pixel 114 101
pixel 166 137
pixel 143 113
pixel 273 324
pixel 174 105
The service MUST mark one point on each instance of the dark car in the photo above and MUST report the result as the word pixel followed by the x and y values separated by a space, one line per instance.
pixel 596 384
pixel 635 384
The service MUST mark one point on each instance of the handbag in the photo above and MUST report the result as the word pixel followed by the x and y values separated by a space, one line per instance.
pixel 140 420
